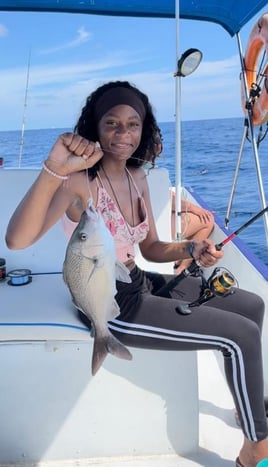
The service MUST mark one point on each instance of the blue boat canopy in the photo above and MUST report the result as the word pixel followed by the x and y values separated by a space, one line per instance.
pixel 232 15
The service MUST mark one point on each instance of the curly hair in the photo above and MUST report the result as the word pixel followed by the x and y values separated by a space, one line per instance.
pixel 87 126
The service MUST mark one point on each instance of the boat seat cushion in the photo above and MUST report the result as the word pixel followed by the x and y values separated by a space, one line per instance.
pixel 42 309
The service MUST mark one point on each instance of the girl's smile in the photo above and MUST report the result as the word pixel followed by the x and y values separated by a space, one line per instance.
pixel 120 130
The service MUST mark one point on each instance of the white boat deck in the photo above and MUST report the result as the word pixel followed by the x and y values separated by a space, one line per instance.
pixel 220 438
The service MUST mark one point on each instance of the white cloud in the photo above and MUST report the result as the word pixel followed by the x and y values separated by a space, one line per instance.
pixel 82 37
pixel 57 93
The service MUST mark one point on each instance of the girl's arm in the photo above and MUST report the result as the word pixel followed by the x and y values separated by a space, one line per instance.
pixel 40 208
pixel 50 196
pixel 158 251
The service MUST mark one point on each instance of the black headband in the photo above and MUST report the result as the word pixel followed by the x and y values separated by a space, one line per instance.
pixel 117 96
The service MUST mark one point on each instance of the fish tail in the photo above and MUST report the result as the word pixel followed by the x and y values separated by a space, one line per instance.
pixel 99 353
pixel 104 345
pixel 118 349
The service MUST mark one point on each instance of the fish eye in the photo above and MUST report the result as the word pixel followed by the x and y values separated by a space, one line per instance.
pixel 83 236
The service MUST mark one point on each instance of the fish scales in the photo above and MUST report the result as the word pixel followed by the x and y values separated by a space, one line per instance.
pixel 90 271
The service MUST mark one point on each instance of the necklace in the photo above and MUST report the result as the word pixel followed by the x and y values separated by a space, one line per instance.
pixel 116 199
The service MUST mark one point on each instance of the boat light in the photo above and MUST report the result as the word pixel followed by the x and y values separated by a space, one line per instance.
pixel 188 62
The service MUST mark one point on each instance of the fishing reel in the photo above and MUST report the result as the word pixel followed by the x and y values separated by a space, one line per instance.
pixel 219 283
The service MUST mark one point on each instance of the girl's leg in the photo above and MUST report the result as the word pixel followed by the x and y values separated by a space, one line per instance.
pixel 156 323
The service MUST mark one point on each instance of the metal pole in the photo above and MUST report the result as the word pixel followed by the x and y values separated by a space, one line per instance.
pixel 230 203
pixel 178 163
pixel 253 140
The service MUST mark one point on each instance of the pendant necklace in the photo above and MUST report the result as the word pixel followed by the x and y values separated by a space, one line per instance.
pixel 116 199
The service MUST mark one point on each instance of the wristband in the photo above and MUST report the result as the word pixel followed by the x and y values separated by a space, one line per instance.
pixel 191 247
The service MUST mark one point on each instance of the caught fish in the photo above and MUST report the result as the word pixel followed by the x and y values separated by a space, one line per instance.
pixel 90 271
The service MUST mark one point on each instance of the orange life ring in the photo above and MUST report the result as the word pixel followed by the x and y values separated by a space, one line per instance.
pixel 258 40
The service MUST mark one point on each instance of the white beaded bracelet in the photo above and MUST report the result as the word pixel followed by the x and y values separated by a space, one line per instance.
pixel 54 174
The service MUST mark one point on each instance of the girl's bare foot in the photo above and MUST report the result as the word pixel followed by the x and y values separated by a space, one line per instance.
pixel 253 452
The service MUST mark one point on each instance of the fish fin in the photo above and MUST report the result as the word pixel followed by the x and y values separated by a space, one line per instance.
pixel 105 344
pixel 122 273
pixel 64 272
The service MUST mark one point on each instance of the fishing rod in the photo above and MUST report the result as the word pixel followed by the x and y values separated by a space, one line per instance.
pixel 236 232
pixel 214 284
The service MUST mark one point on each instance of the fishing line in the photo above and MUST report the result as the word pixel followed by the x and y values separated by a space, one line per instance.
pixel 90 198
pixel 235 213
pixel 145 161
pixel 19 277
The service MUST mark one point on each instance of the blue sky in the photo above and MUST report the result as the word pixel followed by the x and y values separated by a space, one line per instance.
pixel 73 54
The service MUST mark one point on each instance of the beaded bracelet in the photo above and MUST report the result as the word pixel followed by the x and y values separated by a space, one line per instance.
pixel 54 174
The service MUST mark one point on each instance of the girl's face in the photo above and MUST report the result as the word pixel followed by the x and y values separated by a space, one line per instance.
pixel 120 131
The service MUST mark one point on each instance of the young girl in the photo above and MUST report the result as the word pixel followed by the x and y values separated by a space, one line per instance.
pixel 103 158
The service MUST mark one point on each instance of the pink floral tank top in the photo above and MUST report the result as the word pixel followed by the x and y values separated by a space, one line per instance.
pixel 125 236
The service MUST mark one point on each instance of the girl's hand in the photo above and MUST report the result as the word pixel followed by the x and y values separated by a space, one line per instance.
pixel 72 153
pixel 205 253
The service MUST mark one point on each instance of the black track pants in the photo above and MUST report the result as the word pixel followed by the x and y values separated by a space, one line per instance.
pixel 230 324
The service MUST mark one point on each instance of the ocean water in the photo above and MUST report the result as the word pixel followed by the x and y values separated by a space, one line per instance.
pixel 210 150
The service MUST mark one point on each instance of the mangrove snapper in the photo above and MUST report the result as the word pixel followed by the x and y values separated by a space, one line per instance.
pixel 90 270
